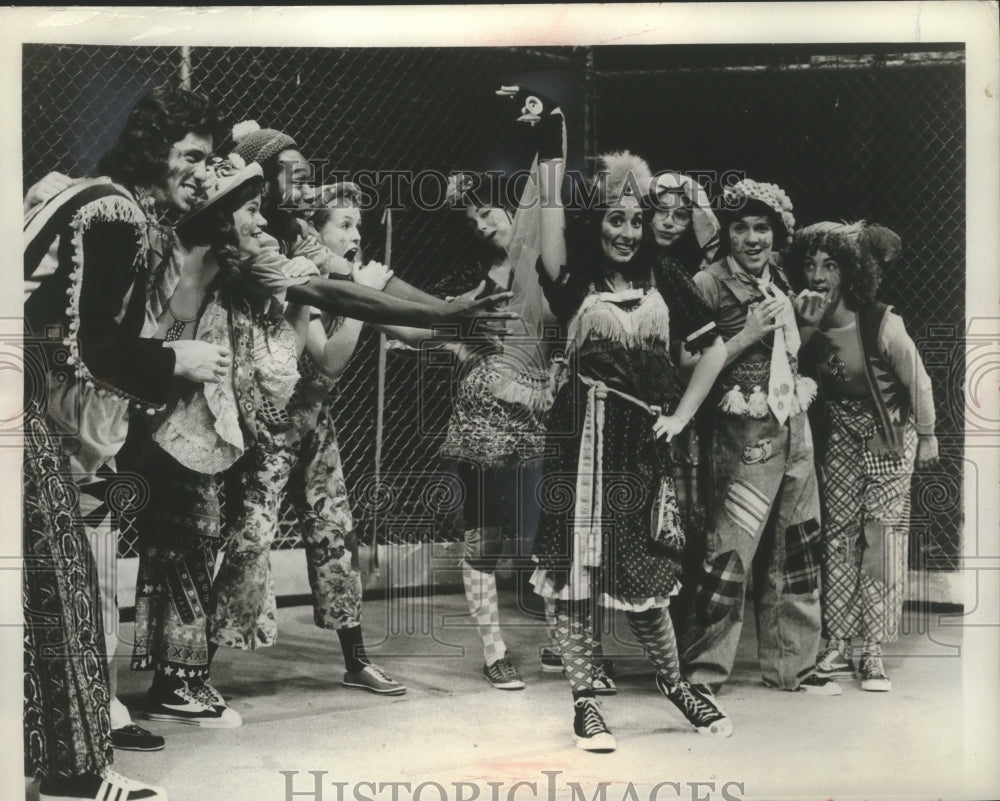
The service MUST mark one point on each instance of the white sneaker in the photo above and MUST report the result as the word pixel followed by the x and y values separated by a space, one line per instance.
pixel 109 786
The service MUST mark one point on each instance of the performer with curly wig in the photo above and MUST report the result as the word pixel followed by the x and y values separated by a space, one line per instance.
pixel 86 316
pixel 878 420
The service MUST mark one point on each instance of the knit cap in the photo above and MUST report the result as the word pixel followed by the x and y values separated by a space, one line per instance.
pixel 258 144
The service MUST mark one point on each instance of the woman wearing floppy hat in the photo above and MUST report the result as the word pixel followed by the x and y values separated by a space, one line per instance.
pixel 218 296
pixel 622 394
pixel 763 499
pixel 878 420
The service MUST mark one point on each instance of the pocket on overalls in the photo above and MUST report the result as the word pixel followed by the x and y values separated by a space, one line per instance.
pixel 802 546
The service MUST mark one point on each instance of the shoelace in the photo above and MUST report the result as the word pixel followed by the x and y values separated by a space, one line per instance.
pixel 380 675
pixel 205 694
pixel 188 694
pixel 872 668
pixel 697 709
pixel 506 669
pixel 828 655
pixel 593 721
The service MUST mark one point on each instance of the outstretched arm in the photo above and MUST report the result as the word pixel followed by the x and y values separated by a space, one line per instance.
pixel 362 303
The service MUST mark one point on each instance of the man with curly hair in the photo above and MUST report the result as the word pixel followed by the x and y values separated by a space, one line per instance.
pixel 878 420
pixel 89 249
pixel 764 503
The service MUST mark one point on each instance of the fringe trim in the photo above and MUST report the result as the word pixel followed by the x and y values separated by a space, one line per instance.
pixel 105 209
pixel 649 323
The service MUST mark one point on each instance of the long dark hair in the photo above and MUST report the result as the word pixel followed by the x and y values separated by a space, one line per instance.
pixel 163 116
pixel 215 228
pixel 585 257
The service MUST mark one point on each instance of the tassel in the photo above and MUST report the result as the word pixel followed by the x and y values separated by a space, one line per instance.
pixel 805 391
pixel 242 129
pixel 733 401
pixel 757 405
pixel 794 406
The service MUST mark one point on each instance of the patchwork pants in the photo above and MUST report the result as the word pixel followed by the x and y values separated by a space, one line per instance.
pixel 244 603
pixel 866 526
pixel 178 542
pixel 764 519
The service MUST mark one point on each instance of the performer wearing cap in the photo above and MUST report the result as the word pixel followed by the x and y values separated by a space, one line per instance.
pixel 877 416
pixel 763 502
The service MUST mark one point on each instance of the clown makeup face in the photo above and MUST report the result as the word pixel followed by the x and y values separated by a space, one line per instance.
pixel 751 239
pixel 823 275
pixel 183 183
pixel 490 225
pixel 248 222
pixel 294 173
pixel 621 230
pixel 671 219
pixel 341 232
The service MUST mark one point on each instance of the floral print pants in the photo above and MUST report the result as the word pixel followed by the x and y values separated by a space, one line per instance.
pixel 312 473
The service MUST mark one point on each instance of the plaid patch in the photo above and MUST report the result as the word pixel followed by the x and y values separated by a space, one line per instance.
pixel 802 545
pixel 721 585
pixel 746 505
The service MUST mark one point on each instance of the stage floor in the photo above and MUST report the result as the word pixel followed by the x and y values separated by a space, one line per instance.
pixel 451 727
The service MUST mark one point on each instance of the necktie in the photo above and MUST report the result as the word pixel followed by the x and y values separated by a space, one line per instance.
pixel 780 385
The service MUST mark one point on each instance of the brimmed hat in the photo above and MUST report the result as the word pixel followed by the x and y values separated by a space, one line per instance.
pixel 225 180
pixel 771 195
pixel 254 143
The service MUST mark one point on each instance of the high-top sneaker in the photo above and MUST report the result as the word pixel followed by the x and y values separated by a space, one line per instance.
pixel 698 708
pixel 592 733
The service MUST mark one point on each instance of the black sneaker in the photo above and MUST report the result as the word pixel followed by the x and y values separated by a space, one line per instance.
pixel 603 684
pixel 108 785
pixel 551 661
pixel 817 685
pixel 503 675
pixel 709 691
pixel 873 677
pixel 136 738
pixel 181 704
pixel 592 733
pixel 698 709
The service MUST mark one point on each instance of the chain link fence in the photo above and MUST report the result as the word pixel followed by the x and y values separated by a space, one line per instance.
pixel 876 134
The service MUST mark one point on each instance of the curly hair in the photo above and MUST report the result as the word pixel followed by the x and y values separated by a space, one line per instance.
pixel 159 119
pixel 751 208
pixel 860 275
